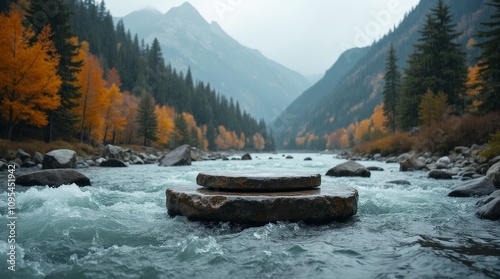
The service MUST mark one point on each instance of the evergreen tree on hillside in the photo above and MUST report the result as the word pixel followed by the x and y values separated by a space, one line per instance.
pixel 61 121
pixel 489 61
pixel 147 119
pixel 391 90
pixel 437 64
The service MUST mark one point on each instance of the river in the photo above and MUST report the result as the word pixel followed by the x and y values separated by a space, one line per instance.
pixel 119 228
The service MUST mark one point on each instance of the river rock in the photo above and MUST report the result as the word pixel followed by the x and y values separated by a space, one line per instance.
pixel 59 159
pixel 115 152
pixel 23 155
pixel 311 206
pixel 113 163
pixel 411 164
pixel 246 157
pixel 181 156
pixel 289 157
pixel 490 210
pixel 3 165
pixel 348 169
pixel 308 159
pixel 476 187
pixel 53 178
pixel 38 157
pixel 136 160
pixel 399 182
pixel 489 198
pixel 494 174
pixel 372 168
pixel 258 181
pixel 439 174
pixel 444 160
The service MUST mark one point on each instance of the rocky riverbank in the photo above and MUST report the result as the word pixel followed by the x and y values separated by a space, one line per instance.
pixel 477 175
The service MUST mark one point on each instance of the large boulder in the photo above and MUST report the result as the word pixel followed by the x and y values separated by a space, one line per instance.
pixel 113 163
pixel 411 164
pixel 475 187
pixel 490 210
pixel 116 152
pixel 493 173
pixel 53 178
pixel 181 156
pixel 439 174
pixel 349 168
pixel 59 159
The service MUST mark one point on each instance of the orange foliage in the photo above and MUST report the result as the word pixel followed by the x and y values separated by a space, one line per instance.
pixel 94 100
pixel 114 119
pixel 229 139
pixel 358 131
pixel 306 141
pixel 394 144
pixel 28 74
pixel 129 109
pixel 201 132
pixel 259 142
pixel 113 78
pixel 165 124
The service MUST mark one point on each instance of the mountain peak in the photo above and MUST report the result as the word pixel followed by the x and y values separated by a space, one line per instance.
pixel 185 11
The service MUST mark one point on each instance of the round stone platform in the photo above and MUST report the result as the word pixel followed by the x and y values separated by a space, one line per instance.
pixel 258 181
pixel 313 206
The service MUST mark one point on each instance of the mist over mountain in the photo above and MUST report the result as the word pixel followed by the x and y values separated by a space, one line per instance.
pixel 351 88
pixel 262 87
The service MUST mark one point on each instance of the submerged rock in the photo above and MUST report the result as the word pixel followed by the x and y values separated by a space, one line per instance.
pixel 308 159
pixel 475 187
pixel 59 159
pixel 439 174
pixel 113 163
pixel 53 178
pixel 399 182
pixel 372 168
pixel 348 169
pixel 314 206
pixel 181 156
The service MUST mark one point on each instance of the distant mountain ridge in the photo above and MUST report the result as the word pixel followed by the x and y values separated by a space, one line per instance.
pixel 262 86
pixel 350 90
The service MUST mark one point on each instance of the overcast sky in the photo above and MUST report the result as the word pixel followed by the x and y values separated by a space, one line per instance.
pixel 305 35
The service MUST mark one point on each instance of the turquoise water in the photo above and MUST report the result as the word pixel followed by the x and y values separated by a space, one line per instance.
pixel 119 228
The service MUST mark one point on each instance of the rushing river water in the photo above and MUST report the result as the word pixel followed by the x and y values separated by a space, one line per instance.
pixel 119 228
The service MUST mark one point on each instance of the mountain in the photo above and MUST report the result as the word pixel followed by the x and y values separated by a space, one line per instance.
pixel 262 87
pixel 352 87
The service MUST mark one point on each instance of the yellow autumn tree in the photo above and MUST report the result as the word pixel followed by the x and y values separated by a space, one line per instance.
pixel 129 109
pixel 433 108
pixel 94 100
pixel 114 119
pixel 29 83
pixel 165 124
pixel 259 142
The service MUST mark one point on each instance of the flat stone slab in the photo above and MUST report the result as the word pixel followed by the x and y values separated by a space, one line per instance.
pixel 258 181
pixel 311 206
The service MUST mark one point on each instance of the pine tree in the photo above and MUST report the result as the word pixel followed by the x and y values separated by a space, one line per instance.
pixel 437 64
pixel 489 61
pixel 391 90
pixel 147 119
pixel 181 130
pixel 61 121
